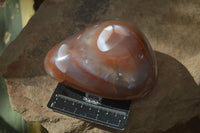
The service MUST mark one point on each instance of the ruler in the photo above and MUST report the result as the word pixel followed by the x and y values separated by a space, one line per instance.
pixel 69 101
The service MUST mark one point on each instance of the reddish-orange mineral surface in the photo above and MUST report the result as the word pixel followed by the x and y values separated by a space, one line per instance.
pixel 111 59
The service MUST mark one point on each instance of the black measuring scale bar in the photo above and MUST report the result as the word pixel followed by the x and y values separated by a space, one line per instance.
pixel 111 113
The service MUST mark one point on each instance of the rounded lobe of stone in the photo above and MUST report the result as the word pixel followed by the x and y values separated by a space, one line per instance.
pixel 111 59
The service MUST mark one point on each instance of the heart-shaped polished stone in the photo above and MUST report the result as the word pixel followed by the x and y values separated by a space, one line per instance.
pixel 111 59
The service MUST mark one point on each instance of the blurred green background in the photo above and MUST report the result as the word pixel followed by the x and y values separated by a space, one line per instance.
pixel 10 121
pixel 10 22
pixel 14 15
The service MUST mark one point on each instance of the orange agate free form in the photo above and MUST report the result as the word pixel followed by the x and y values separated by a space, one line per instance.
pixel 111 59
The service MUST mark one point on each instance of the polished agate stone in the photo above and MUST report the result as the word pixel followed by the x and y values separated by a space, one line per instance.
pixel 111 59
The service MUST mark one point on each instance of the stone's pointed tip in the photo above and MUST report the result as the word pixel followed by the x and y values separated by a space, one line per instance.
pixel 111 59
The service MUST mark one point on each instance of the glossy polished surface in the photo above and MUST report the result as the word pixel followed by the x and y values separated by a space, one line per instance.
pixel 111 59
